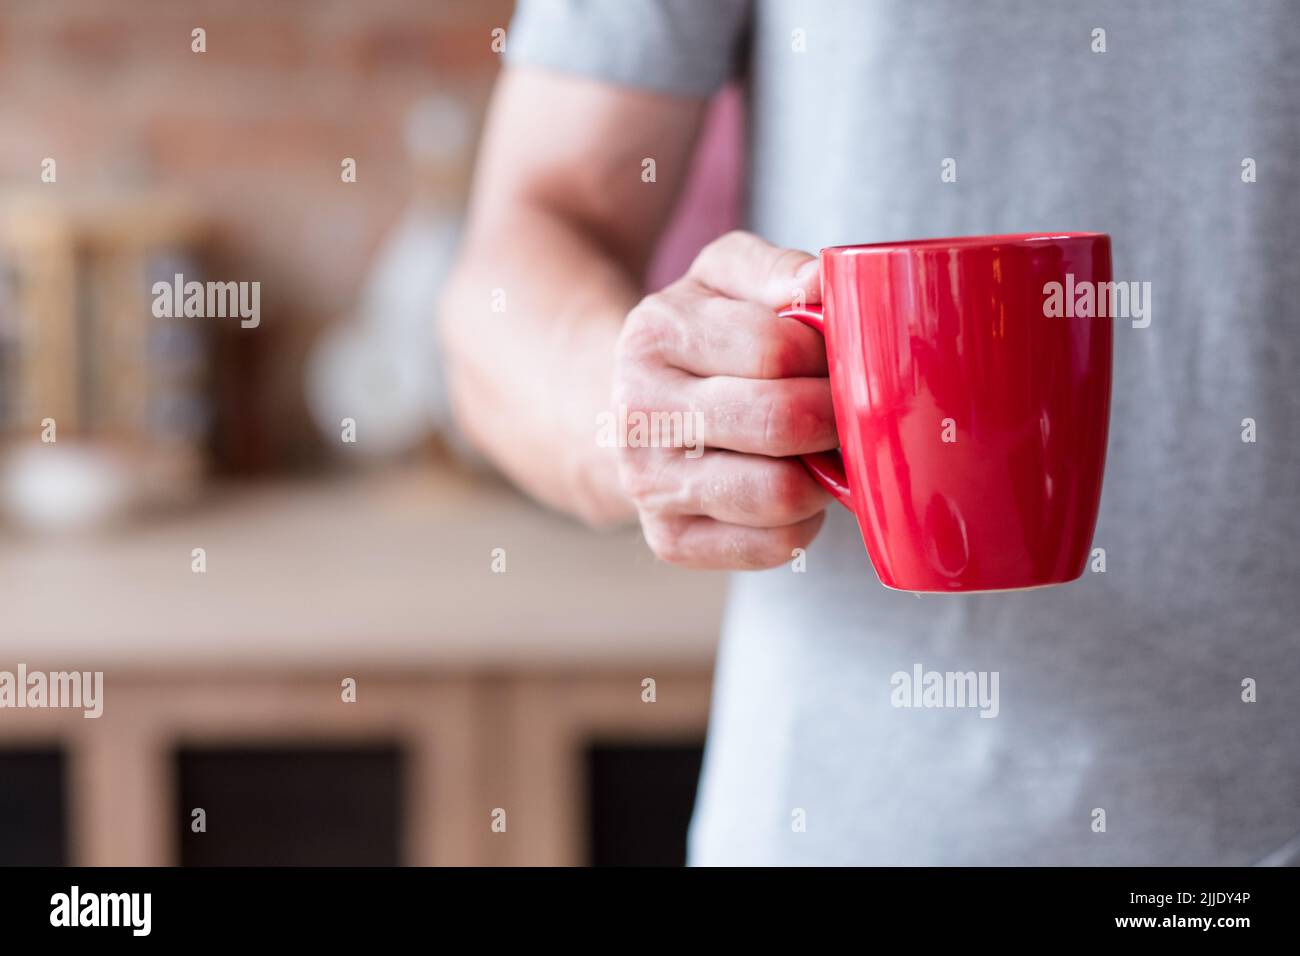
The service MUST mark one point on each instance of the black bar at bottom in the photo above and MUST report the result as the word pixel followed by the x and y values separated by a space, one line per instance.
pixel 333 905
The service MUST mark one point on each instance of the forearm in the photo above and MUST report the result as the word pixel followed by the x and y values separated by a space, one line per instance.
pixel 529 377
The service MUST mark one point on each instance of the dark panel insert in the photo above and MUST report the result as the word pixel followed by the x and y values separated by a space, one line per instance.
pixel 291 806
pixel 640 797
pixel 32 808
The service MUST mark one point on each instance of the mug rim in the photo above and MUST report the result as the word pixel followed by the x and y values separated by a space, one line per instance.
pixel 963 242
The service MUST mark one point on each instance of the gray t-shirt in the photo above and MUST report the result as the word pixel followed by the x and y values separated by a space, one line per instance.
pixel 1120 696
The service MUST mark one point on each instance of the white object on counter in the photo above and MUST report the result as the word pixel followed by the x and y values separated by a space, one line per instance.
pixel 64 487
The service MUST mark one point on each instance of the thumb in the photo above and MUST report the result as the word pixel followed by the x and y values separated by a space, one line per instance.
pixel 740 265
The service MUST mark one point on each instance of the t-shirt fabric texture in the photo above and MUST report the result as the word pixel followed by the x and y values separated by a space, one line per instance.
pixel 1121 694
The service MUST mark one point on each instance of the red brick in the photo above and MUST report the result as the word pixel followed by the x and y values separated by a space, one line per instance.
pixel 94 43
pixel 252 131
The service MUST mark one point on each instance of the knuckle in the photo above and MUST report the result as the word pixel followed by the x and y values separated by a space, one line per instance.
pixel 664 538
pixel 643 329
pixel 642 476
pixel 777 421
pixel 638 481
pixel 795 416
pixel 629 389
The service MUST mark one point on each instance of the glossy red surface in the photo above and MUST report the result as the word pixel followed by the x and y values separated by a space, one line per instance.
pixel 948 339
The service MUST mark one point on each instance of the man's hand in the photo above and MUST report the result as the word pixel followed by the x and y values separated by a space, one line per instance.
pixel 712 343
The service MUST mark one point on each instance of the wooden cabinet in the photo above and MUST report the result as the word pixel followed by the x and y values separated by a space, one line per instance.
pixel 416 771
pixel 488 691
pixel 32 806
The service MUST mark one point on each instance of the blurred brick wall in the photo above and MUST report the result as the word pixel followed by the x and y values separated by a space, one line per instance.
pixel 252 131
pixel 255 128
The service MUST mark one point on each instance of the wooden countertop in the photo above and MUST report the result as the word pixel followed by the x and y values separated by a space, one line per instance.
pixel 380 572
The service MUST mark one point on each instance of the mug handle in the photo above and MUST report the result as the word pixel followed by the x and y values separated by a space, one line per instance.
pixel 827 467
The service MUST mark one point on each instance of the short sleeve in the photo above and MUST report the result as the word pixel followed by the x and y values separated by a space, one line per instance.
pixel 683 47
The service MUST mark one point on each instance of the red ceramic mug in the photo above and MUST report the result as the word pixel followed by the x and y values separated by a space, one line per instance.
pixel 972 423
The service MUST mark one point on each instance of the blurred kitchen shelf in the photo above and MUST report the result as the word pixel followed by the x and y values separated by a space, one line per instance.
pixel 391 570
